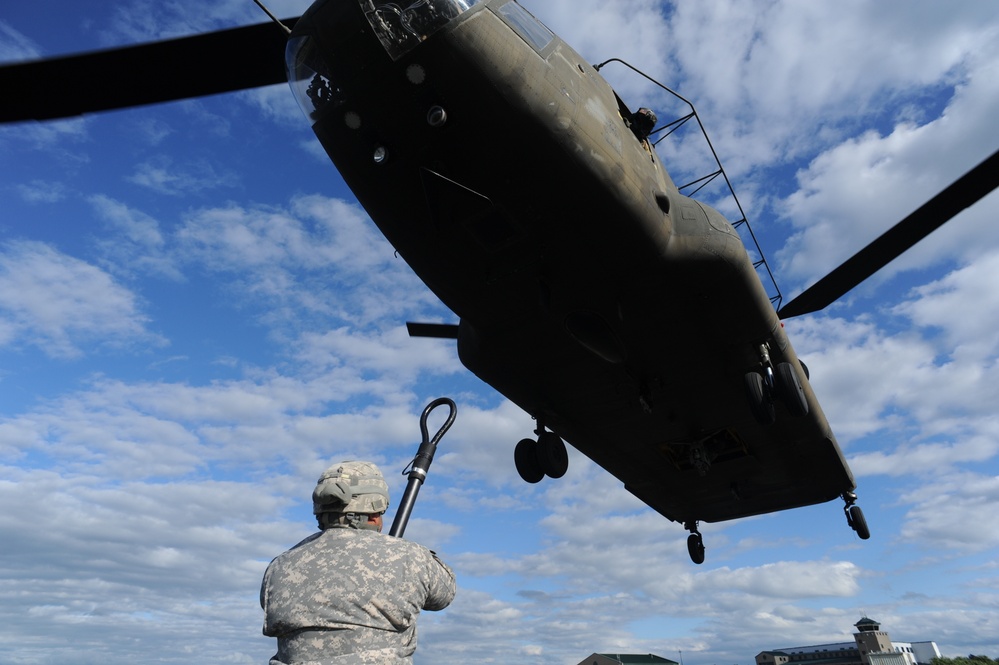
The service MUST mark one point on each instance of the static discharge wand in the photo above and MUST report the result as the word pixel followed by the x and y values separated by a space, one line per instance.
pixel 418 468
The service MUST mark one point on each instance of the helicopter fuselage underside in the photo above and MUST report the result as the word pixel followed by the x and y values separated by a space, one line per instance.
pixel 618 312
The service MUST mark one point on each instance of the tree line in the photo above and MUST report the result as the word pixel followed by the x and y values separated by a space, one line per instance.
pixel 971 659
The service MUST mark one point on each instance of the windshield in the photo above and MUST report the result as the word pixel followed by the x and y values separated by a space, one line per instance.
pixel 399 26
pixel 309 78
pixel 402 25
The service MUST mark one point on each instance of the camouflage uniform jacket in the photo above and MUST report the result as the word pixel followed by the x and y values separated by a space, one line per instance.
pixel 346 596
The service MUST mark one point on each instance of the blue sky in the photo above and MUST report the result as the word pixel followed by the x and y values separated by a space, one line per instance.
pixel 196 318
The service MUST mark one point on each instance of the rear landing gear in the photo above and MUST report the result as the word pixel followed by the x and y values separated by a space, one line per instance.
pixel 545 457
pixel 526 459
pixel 774 382
pixel 761 399
pixel 695 543
pixel 855 516
pixel 790 391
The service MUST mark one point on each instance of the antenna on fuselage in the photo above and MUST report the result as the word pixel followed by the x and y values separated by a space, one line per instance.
pixel 273 17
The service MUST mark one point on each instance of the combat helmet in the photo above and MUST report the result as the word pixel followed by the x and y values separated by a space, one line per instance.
pixel 350 488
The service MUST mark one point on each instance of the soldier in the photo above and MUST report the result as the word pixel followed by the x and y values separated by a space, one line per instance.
pixel 349 595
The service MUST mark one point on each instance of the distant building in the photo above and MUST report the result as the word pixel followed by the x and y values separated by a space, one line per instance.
pixel 870 646
pixel 624 659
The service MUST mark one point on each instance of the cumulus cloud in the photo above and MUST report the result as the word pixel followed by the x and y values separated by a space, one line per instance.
pixel 161 175
pixel 945 305
pixel 276 104
pixel 300 255
pixel 144 499
pixel 138 244
pixel 59 303
pixel 146 20
pixel 64 138
pixel 954 512
pixel 14 45
pixel 40 191
pixel 857 189
pixel 105 558
pixel 795 579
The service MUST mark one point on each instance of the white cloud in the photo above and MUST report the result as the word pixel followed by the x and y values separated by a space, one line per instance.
pixel 162 176
pixel 276 104
pixel 63 138
pixel 138 244
pixel 777 78
pixel 633 30
pixel 307 237
pixel 40 191
pixel 392 351
pixel 964 306
pixel 860 372
pixel 147 20
pixel 104 558
pixel 790 579
pixel 16 46
pixel 300 255
pixel 137 227
pixel 162 489
pixel 153 131
pixel 857 189
pixel 59 303
pixel 953 513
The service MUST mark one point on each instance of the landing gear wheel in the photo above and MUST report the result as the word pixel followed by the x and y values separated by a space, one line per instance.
pixel 761 402
pixel 695 548
pixel 855 516
pixel 525 456
pixel 790 391
pixel 695 542
pixel 552 456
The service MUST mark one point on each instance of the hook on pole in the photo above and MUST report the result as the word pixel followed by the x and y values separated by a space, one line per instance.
pixel 418 468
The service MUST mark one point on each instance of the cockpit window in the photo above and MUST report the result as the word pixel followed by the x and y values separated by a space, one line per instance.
pixel 309 77
pixel 402 25
pixel 399 26
pixel 524 24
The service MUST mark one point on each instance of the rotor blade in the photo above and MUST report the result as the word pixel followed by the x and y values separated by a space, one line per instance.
pixel 214 62
pixel 438 330
pixel 962 193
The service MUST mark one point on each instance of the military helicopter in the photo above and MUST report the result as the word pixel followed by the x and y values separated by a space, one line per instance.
pixel 625 317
